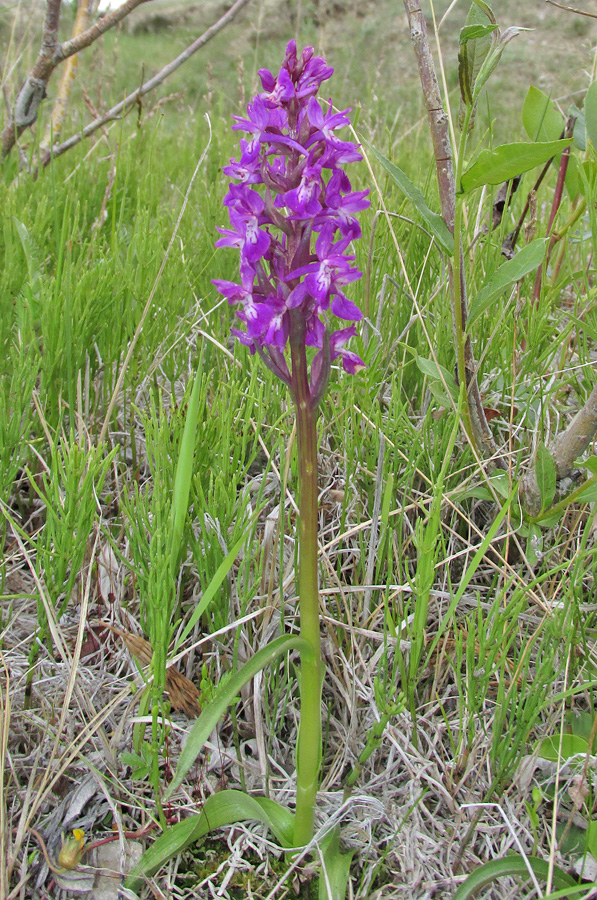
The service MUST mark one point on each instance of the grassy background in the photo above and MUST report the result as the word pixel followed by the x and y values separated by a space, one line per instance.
pixel 512 663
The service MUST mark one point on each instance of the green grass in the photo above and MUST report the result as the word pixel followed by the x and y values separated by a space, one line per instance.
pixel 494 672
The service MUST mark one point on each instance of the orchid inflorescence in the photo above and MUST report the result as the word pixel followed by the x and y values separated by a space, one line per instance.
pixel 287 290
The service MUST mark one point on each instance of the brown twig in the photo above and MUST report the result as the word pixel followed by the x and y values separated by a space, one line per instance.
pixel 572 9
pixel 442 150
pixel 510 242
pixel 131 100
pixel 51 53
pixel 555 206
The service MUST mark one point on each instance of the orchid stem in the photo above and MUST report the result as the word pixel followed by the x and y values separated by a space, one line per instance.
pixel 308 755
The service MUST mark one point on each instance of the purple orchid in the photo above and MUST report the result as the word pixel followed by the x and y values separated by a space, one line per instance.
pixel 291 192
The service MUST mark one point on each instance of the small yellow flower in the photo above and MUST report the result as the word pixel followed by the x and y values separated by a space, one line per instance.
pixel 72 850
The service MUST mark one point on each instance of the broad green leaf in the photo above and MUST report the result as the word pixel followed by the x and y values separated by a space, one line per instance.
pixel 475 43
pixel 545 472
pixel 588 492
pixel 591 113
pixel 579 135
pixel 512 865
pixel 581 724
pixel 526 260
pixel 333 881
pixel 433 220
pixel 223 808
pixel 572 744
pixel 541 120
pixel 435 372
pixel 503 163
pixel 573 182
pixel 224 696
pixel 590 463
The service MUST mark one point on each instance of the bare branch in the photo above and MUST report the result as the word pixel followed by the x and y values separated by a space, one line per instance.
pixel 34 89
pixel 91 34
pixel 149 85
pixel 572 9
pixel 442 151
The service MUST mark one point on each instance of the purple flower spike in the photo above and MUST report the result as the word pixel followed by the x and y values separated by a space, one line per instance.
pixel 292 217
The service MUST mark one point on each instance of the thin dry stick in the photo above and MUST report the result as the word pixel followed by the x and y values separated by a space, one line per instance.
pixel 51 53
pixel 132 99
pixel 442 151
pixel 54 127
pixel 139 328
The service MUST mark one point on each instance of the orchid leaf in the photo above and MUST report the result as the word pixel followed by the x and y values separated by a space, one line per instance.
pixel 526 260
pixel 224 697
pixel 511 865
pixel 223 808
pixel 503 163
pixel 333 881
pixel 433 220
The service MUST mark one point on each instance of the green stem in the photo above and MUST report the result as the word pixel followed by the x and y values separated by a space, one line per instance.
pixel 308 754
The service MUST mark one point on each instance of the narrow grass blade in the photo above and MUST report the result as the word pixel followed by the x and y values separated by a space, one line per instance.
pixel 224 696
pixel 472 568
pixel 211 590
pixel 433 220
pixel 184 473
pixel 223 808
pixel 513 865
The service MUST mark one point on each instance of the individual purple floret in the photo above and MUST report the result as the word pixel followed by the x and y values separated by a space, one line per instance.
pixel 293 217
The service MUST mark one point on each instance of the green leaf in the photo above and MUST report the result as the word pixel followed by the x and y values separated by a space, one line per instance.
pixel 572 744
pixel 592 838
pixel 503 163
pixel 579 135
pixel 512 865
pixel 541 120
pixel 545 472
pixel 590 463
pixel 591 113
pixel 435 372
pixel 223 808
pixel 588 492
pixel 333 881
pixel 224 696
pixel 433 220
pixel 582 723
pixel 526 260
pixel 475 44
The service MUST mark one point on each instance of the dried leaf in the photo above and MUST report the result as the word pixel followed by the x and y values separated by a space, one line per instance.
pixel 184 696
